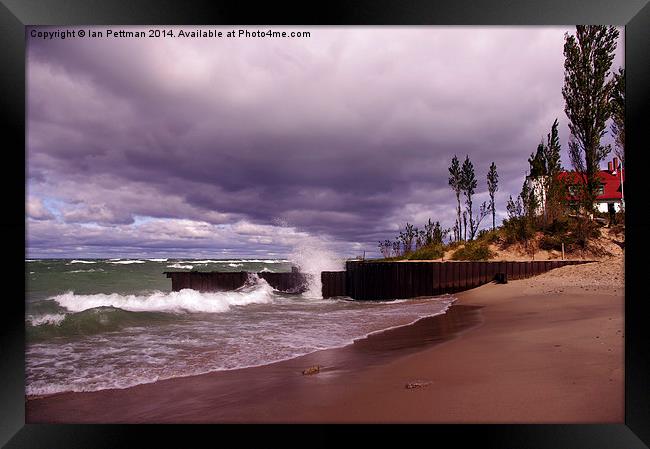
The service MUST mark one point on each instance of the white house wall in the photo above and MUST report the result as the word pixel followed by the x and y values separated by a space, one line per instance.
pixel 602 207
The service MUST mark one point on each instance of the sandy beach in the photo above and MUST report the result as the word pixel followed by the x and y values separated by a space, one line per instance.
pixel 548 349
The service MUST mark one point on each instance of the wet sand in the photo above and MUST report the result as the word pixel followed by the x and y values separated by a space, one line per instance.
pixel 548 349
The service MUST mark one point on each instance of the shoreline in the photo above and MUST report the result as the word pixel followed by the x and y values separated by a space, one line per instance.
pixel 377 348
pixel 544 349
pixel 414 342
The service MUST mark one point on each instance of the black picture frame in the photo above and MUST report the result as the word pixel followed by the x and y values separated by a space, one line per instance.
pixel 15 15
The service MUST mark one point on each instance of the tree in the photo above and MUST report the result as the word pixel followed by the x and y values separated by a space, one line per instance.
pixel 475 222
pixel 554 188
pixel 407 237
pixel 456 230
pixel 385 248
pixel 545 167
pixel 468 185
pixel 519 224
pixel 529 201
pixel 428 232
pixel 464 225
pixel 537 162
pixel 420 238
pixel 492 183
pixel 552 151
pixel 434 234
pixel 586 91
pixel 515 224
pixel 455 181
pixel 617 105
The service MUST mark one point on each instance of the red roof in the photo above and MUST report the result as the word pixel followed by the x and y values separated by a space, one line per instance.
pixel 611 182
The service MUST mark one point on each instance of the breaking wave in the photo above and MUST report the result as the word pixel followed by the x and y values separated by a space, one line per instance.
pixel 183 301
pixel 88 322
pixel 180 266
pixel 71 314
pixel 92 270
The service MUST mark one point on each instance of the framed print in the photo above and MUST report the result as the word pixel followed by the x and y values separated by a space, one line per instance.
pixel 427 216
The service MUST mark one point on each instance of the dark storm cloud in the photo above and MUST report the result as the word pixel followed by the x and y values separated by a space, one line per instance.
pixel 346 134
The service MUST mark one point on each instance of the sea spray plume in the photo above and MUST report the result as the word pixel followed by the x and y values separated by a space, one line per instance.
pixel 313 256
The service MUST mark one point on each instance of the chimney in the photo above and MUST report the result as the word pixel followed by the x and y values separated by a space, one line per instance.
pixel 609 167
pixel 615 164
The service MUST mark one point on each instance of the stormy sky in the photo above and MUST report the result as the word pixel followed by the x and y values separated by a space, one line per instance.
pixel 250 147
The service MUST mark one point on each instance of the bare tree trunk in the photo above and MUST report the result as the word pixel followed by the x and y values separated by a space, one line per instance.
pixel 465 225
pixel 460 224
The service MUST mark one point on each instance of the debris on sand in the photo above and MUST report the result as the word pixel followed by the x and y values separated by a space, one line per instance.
pixel 311 370
pixel 417 384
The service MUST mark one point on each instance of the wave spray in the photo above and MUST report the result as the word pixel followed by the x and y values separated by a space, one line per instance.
pixel 312 255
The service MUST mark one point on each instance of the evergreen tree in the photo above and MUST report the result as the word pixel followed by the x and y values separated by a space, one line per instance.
pixel 468 185
pixel 537 162
pixel 492 183
pixel 617 104
pixel 552 151
pixel 586 91
pixel 455 182
pixel 554 188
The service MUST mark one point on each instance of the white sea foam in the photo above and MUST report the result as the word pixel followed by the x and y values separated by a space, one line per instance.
pixel 178 265
pixel 227 261
pixel 127 262
pixel 82 261
pixel 185 300
pixel 55 318
pixel 234 265
pixel 92 270
pixel 157 260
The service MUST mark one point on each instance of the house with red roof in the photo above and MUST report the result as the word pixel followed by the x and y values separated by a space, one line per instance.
pixel 610 193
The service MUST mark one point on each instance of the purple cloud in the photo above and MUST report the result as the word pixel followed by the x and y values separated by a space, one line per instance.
pixel 346 134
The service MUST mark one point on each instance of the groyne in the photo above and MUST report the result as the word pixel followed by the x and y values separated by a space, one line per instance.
pixel 377 280
pixel 211 281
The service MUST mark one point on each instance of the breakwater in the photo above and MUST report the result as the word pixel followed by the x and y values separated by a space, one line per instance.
pixel 376 280
pixel 211 281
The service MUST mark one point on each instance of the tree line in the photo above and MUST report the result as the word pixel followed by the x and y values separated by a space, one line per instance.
pixel 462 180
pixel 412 239
pixel 593 95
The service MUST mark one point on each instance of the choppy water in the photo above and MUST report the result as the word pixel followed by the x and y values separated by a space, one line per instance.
pixel 97 324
